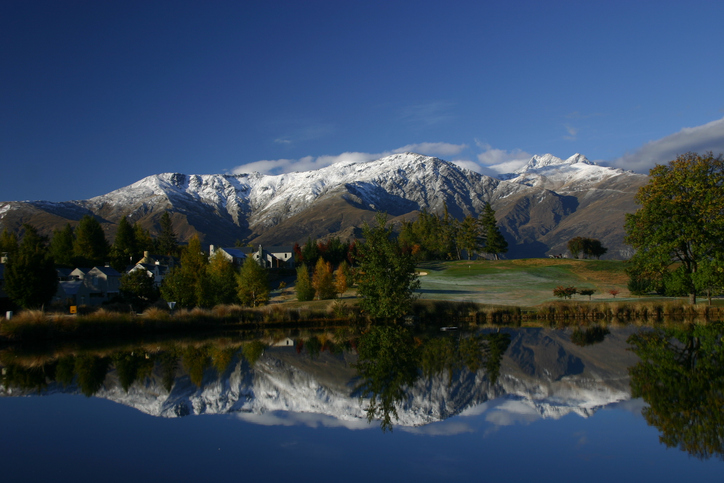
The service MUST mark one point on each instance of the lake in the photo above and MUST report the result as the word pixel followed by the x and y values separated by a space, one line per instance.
pixel 527 404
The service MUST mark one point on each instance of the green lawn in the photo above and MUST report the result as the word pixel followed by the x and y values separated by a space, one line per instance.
pixel 523 282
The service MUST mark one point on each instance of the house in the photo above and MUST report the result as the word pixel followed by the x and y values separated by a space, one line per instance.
pixel 84 286
pixel 234 255
pixel 272 257
pixel 156 266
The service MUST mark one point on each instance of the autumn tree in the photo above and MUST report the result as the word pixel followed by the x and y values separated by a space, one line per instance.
pixel 341 275
pixel 323 280
pixel 680 223
pixel 304 289
pixel 252 284
pixel 187 284
pixel 222 280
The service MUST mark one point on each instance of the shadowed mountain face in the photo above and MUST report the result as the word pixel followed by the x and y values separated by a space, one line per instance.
pixel 539 208
pixel 541 372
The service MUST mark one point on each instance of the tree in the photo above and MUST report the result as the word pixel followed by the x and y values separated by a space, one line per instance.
pixel 469 238
pixel 340 278
pixel 681 378
pixel 124 246
pixel 305 291
pixel 252 284
pixel 90 247
pixel 222 279
pixel 575 246
pixel 187 284
pixel 166 241
pixel 30 276
pixel 564 292
pixel 387 366
pixel 587 291
pixel 138 289
pixel 323 280
pixel 61 246
pixel 495 243
pixel 386 276
pixel 589 247
pixel 680 222
pixel 8 243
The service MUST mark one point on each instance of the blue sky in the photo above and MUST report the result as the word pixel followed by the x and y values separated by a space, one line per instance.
pixel 97 95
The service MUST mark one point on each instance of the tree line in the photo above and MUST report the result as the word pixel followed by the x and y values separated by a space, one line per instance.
pixel 443 237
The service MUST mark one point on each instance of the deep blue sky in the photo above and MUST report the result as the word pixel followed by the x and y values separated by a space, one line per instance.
pixel 97 95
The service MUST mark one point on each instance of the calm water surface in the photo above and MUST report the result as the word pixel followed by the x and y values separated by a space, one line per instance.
pixel 515 405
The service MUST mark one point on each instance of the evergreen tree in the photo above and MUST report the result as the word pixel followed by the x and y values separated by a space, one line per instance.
pixel 90 247
pixel 387 277
pixel 30 276
pixel 166 241
pixel 252 284
pixel 469 236
pixel 495 243
pixel 8 243
pixel 61 246
pixel 124 247
pixel 305 291
pixel 138 289
pixel 144 242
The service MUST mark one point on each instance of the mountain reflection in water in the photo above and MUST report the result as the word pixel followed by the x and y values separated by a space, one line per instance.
pixel 408 380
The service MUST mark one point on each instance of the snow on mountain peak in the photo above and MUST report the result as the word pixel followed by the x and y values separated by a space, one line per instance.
pixel 546 160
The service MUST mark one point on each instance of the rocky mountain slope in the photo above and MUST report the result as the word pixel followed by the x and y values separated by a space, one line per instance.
pixel 539 207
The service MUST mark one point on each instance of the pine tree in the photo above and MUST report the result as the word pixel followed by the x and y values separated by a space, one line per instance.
pixel 61 246
pixel 124 246
pixel 90 247
pixel 166 241
pixel 187 284
pixel 30 276
pixel 8 243
pixel 495 243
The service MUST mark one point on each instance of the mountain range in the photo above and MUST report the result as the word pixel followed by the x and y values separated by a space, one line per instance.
pixel 539 207
pixel 542 375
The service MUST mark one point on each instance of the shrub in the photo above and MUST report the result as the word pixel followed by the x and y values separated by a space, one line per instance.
pixel 564 292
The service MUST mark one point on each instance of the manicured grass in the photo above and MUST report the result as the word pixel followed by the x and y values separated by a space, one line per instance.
pixel 522 282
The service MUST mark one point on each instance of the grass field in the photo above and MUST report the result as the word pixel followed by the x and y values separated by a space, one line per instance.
pixel 522 282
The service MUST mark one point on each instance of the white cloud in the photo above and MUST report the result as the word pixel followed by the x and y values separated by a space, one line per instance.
pixel 708 137
pixel 442 149
pixel 572 132
pixel 502 161
pixel 308 163
pixel 312 420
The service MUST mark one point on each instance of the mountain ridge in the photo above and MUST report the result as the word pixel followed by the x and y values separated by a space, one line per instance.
pixel 538 206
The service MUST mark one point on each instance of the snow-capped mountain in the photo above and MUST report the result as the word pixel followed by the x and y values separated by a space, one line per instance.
pixel 540 206
pixel 543 375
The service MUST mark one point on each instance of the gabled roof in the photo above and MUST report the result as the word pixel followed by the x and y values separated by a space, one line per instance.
pixel 235 252
pixel 108 271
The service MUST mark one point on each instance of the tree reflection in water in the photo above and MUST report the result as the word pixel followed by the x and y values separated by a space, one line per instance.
pixel 681 377
pixel 391 361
